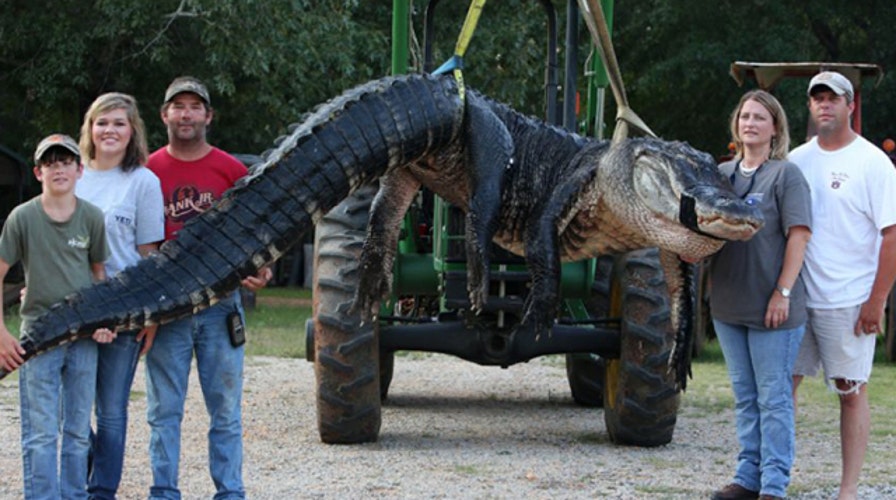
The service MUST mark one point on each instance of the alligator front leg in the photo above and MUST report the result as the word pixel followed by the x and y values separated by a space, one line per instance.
pixel 543 260
pixel 397 191
pixel 489 153
pixel 543 236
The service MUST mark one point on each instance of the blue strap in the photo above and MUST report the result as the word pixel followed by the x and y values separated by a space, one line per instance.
pixel 456 62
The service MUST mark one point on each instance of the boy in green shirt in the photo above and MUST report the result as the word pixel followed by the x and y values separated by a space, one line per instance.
pixel 61 242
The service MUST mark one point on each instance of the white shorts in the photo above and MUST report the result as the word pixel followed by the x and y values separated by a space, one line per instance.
pixel 830 342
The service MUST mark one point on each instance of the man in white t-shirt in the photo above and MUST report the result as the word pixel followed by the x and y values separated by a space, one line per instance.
pixel 850 260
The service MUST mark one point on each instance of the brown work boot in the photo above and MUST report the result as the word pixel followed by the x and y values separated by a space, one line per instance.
pixel 770 497
pixel 735 491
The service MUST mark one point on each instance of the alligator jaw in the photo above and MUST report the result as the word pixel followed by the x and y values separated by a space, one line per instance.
pixel 724 229
pixel 722 215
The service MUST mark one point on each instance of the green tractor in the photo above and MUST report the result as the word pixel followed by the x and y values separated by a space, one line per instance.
pixel 614 329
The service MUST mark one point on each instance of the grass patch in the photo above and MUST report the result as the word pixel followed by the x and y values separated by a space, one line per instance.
pixel 711 382
pixel 709 391
pixel 468 470
pixel 286 292
pixel 277 329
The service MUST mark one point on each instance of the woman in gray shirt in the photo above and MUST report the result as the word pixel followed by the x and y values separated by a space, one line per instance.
pixel 758 299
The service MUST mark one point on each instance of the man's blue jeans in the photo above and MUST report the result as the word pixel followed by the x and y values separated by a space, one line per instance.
pixel 760 365
pixel 57 384
pixel 220 370
pixel 116 365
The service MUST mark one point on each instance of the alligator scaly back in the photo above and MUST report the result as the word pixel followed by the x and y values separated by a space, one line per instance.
pixel 345 143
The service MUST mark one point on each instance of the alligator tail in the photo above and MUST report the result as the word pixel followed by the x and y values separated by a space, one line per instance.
pixel 345 143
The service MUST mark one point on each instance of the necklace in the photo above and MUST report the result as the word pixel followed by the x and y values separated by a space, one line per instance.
pixel 748 173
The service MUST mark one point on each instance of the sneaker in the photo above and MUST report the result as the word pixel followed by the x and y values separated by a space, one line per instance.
pixel 735 491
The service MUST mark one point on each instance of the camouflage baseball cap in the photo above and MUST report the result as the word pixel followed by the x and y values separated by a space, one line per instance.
pixel 187 84
pixel 56 140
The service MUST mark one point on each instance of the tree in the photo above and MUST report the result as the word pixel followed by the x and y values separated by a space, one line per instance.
pixel 676 55
pixel 265 62
pixel 269 61
pixel 261 60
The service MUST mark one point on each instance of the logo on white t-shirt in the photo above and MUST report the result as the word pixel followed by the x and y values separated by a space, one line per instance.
pixel 838 179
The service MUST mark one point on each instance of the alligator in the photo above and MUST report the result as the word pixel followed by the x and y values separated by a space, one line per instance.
pixel 534 189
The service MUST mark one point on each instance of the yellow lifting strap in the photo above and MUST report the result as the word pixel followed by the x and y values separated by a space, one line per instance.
pixel 455 64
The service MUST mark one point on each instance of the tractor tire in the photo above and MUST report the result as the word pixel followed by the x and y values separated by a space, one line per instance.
pixel 585 372
pixel 641 397
pixel 387 367
pixel 346 353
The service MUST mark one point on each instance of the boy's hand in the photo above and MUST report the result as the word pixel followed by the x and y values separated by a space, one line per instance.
pixel 104 335
pixel 148 333
pixel 10 351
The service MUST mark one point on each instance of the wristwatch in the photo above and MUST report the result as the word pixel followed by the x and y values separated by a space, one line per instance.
pixel 785 292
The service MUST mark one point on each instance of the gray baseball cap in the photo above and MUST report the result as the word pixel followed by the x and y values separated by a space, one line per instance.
pixel 187 84
pixel 56 140
pixel 838 84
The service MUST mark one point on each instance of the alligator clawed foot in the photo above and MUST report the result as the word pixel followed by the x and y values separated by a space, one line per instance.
pixel 366 306
pixel 538 320
pixel 372 289
pixel 477 281
pixel 478 298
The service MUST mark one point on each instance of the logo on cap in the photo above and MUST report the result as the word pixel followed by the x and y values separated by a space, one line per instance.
pixel 56 140
pixel 838 83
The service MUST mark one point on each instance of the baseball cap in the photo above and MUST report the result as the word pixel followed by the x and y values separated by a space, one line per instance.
pixel 838 83
pixel 56 140
pixel 187 84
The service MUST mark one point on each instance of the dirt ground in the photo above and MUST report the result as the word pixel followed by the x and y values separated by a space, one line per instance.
pixel 452 429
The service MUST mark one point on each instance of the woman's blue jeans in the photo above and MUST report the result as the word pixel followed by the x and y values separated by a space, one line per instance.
pixel 760 365
pixel 116 365
pixel 56 394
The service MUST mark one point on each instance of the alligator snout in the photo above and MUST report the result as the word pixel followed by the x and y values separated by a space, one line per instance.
pixel 726 216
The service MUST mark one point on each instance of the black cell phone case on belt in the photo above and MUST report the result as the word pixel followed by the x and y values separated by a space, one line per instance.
pixel 236 328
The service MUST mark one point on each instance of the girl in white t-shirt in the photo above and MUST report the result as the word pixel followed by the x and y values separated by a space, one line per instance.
pixel 113 147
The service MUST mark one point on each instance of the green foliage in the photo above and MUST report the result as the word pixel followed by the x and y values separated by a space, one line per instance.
pixel 675 57
pixel 506 58
pixel 264 61
pixel 267 62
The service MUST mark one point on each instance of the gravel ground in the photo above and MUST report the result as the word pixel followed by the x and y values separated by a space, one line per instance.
pixel 452 429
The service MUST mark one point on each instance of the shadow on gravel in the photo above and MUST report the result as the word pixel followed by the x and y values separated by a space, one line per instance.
pixel 485 401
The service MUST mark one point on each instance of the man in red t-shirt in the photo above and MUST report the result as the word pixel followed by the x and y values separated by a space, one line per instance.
pixel 194 175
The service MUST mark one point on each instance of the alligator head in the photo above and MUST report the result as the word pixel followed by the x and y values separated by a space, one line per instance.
pixel 675 197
